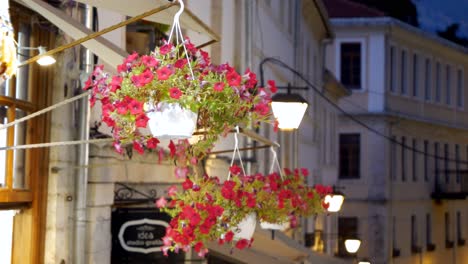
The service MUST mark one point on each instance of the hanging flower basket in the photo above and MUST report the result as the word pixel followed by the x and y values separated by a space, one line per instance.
pixel 274 226
pixel 246 228
pixel 207 210
pixel 171 121
pixel 185 89
pixel 8 63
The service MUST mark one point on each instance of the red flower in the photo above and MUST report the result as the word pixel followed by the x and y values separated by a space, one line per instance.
pixel 166 48
pixel 252 79
pixel 88 83
pixel 305 172
pixel 138 147
pixel 219 86
pixel 122 68
pixel 109 121
pixel 276 126
pixel 233 78
pixel 180 63
pixel 234 169
pixel 172 149
pixel 122 107
pixel 229 236
pixel 141 120
pixel 187 184
pixel 272 86
pixel 131 58
pixel 325 205
pixel 115 83
pixel 164 73
pixel 161 202
pixel 198 246
pixel 171 191
pixel 135 107
pixel 152 143
pixel 241 244
pixel 194 219
pixel 262 109
pixel 149 61
pixel 175 93
pixel 146 77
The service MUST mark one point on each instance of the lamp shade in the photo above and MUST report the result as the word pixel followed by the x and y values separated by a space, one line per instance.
pixel 352 245
pixel 364 261
pixel 45 60
pixel 335 200
pixel 288 109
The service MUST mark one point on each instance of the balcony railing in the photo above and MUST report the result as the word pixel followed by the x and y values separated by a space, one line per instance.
pixel 447 189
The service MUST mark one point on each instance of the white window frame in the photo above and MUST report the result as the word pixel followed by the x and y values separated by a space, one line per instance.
pixel 362 41
pixel 462 106
pixel 429 80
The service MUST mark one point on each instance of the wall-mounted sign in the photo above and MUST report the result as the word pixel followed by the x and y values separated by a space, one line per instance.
pixel 137 236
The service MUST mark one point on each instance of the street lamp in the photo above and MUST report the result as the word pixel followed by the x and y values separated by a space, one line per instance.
pixel 44 60
pixel 335 200
pixel 352 245
pixel 364 261
pixel 289 108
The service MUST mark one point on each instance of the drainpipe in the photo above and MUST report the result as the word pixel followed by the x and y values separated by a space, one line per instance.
pixel 248 10
pixel 81 180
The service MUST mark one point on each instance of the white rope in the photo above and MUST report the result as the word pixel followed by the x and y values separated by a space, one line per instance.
pixel 275 162
pixel 178 32
pixel 45 110
pixel 236 151
pixel 55 144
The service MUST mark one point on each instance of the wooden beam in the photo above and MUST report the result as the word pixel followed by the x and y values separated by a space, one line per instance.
pixel 135 7
pixel 106 50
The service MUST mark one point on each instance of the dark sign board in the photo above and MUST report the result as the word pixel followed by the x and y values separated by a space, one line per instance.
pixel 137 236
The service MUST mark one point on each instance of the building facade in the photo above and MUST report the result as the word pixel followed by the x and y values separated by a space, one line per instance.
pixel 403 148
pixel 70 201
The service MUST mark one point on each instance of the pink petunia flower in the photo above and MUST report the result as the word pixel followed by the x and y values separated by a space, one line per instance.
pixel 141 120
pixel 175 93
pixel 152 143
pixel 219 86
pixel 161 202
pixel 135 107
pixel 149 61
pixel 164 73
pixel 272 86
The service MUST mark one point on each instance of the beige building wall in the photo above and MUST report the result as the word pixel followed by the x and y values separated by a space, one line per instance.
pixel 396 183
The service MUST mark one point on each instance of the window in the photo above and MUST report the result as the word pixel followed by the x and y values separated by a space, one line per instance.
pixel 460 239
pixel 23 172
pixel 448 91
pixel 426 161
pixel 460 94
pixel 393 70
pixel 438 83
pixel 415 161
pixel 457 163
pixel 404 74
pixel 428 229
pixel 350 156
pixel 403 159
pixel 351 65
pixel 436 161
pixel 448 241
pixel 415 75
pixel 347 229
pixel 393 157
pixel 414 231
pixel 428 81
pixel 446 165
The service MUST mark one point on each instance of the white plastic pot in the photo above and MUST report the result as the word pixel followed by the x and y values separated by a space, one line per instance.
pixel 274 226
pixel 170 121
pixel 246 227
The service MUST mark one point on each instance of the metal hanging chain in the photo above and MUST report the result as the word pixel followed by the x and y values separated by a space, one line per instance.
pixel 275 162
pixel 236 151
pixel 97 34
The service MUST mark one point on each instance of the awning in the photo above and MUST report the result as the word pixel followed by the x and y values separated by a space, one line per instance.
pixel 104 49
pixel 135 7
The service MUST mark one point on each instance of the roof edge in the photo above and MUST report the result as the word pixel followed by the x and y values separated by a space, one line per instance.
pixel 325 18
